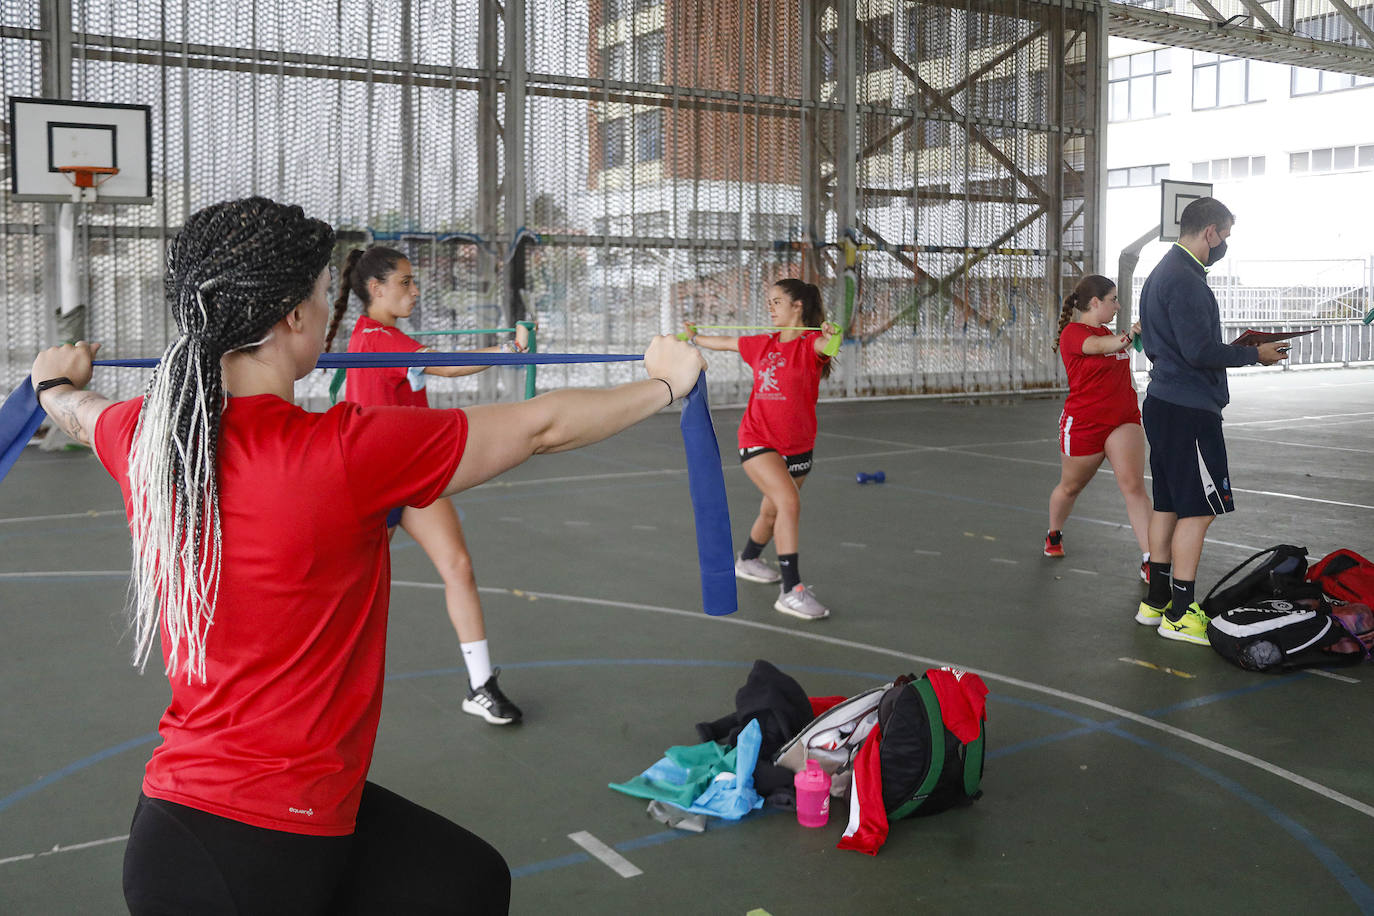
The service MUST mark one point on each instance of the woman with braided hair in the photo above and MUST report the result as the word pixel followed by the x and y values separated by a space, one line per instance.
pixel 1101 416
pixel 384 282
pixel 261 563
pixel 778 433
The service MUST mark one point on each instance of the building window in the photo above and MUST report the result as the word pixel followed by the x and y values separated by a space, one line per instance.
pixel 830 41
pixel 617 62
pixel 651 225
pixel 877 39
pixel 771 227
pixel 996 98
pixel 613 143
pixel 928 32
pixel 649 136
pixel 1137 176
pixel 1229 169
pixel 615 9
pixel 1332 159
pixel 1136 85
pixel 713 224
pixel 649 57
pixel 986 29
pixel 931 133
pixel 1310 82
pixel 1220 81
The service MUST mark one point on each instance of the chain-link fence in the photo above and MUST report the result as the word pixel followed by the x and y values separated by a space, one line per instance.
pixel 931 166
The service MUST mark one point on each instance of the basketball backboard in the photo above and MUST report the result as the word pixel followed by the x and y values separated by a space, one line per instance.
pixel 1175 196
pixel 49 134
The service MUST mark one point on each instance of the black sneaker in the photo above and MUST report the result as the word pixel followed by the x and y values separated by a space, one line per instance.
pixel 491 704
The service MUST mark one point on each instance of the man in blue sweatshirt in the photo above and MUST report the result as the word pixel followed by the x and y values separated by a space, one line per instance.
pixel 1181 330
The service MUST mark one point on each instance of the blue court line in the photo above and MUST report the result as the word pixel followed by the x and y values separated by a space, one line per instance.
pixel 1360 893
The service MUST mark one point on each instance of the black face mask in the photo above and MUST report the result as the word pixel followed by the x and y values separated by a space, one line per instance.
pixel 1216 254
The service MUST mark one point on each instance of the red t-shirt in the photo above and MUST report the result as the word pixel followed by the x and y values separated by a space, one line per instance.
pixel 382 387
pixel 281 734
pixel 787 379
pixel 1100 386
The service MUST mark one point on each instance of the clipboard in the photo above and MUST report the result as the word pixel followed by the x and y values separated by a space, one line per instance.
pixel 1252 338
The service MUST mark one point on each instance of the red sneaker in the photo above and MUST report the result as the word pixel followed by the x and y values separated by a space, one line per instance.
pixel 1054 544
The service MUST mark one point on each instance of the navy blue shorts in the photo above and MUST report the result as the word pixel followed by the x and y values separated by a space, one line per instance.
pixel 393 518
pixel 1187 459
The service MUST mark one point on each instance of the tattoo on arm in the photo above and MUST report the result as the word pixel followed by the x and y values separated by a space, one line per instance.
pixel 75 412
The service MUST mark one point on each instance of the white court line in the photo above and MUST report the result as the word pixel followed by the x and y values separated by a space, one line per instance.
pixel 66 573
pixel 1335 677
pixel 605 854
pixel 852 544
pixel 1004 560
pixel 1303 418
pixel 1083 572
pixel 60 849
pixel 1296 779
pixel 927 553
pixel 50 518
pixel 1332 448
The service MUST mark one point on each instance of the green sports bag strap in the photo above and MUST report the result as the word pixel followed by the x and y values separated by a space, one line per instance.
pixel 973 763
pixel 936 723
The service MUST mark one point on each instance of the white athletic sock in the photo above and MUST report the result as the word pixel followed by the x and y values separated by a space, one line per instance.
pixel 1145 557
pixel 476 657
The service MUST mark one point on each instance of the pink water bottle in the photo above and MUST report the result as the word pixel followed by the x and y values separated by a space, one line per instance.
pixel 813 795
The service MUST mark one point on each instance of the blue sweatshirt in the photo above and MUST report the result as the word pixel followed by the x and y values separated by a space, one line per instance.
pixel 1180 326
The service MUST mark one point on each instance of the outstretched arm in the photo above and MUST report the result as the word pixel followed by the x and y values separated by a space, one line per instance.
pixel 73 411
pixel 522 344
pixel 501 436
pixel 1100 346
pixel 711 341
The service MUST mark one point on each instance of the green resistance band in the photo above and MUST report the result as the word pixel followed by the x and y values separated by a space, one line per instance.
pixel 336 384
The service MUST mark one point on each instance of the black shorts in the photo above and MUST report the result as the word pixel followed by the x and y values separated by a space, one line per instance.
pixel 1187 459
pixel 798 465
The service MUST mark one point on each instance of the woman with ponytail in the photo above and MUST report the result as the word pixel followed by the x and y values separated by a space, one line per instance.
pixel 384 282
pixel 1101 416
pixel 260 564
pixel 778 432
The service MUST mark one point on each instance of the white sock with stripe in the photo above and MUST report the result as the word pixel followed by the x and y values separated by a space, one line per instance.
pixel 478 662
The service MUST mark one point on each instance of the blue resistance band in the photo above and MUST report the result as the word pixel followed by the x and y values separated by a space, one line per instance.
pixel 710 510
pixel 20 416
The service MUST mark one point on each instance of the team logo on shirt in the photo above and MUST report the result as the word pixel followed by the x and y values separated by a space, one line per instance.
pixel 308 812
pixel 766 376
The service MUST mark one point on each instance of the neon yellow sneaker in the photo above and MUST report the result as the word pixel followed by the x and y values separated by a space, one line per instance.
pixel 1191 627
pixel 1149 615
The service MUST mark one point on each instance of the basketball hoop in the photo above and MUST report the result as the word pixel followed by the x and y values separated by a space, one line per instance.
pixel 86 179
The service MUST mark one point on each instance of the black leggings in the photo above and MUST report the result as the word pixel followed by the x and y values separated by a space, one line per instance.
pixel 401 859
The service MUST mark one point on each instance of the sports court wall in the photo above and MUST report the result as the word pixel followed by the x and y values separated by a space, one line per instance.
pixel 932 166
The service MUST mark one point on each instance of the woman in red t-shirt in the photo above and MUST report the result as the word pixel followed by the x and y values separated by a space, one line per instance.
pixel 261 564
pixel 1101 416
pixel 778 432
pixel 383 280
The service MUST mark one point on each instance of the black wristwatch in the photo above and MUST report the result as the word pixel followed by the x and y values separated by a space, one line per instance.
pixel 51 383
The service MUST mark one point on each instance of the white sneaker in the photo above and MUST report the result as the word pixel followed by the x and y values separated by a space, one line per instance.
pixel 755 570
pixel 801 603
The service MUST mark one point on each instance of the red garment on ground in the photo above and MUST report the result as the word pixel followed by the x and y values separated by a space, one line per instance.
pixel 1100 387
pixel 787 379
pixel 963 707
pixel 821 704
pixel 387 385
pixel 281 734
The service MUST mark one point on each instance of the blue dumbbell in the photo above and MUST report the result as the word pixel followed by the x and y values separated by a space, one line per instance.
pixel 875 477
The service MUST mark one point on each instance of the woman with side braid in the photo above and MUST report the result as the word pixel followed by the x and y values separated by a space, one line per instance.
pixel 384 282
pixel 261 563
pixel 1101 416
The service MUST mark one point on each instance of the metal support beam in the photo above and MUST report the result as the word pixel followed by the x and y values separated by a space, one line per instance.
pixel 1359 25
pixel 1262 15
pixel 514 137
